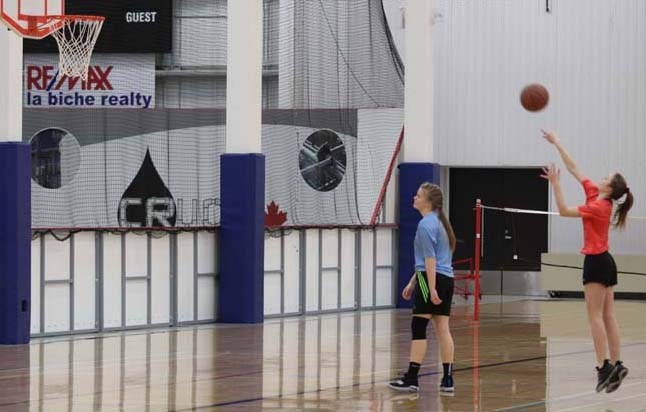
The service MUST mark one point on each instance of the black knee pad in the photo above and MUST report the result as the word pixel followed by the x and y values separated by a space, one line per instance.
pixel 418 325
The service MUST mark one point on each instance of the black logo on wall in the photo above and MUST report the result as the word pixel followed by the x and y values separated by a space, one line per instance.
pixel 55 158
pixel 322 160
pixel 132 26
pixel 147 202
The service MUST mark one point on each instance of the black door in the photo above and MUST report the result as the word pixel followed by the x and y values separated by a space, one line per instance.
pixel 511 241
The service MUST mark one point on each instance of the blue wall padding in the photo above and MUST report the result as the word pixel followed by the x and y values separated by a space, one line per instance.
pixel 242 220
pixel 15 242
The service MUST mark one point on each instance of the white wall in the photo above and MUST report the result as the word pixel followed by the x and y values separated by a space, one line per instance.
pixel 314 270
pixel 590 54
pixel 80 286
pixel 11 86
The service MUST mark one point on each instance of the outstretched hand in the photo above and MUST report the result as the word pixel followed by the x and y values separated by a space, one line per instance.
pixel 551 137
pixel 551 173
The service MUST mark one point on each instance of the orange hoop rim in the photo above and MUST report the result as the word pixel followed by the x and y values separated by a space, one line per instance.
pixel 74 17
pixel 41 26
pixel 61 17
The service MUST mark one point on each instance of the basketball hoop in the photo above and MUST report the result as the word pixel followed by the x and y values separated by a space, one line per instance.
pixel 75 35
pixel 76 38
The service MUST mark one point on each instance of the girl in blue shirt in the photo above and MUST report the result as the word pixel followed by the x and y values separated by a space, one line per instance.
pixel 431 287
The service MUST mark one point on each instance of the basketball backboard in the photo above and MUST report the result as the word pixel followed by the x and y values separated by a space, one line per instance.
pixel 32 19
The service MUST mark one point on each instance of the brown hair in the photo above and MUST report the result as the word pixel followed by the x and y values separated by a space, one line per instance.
pixel 620 188
pixel 435 196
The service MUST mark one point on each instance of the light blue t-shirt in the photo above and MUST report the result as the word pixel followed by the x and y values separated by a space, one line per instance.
pixel 431 240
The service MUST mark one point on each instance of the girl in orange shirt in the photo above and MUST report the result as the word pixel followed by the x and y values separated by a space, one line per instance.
pixel 599 269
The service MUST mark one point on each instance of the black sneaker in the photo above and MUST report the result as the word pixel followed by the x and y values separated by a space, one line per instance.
pixel 405 384
pixel 603 374
pixel 618 374
pixel 446 387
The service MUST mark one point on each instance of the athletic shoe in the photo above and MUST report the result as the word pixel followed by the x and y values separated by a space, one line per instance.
pixel 446 387
pixel 603 375
pixel 618 374
pixel 405 384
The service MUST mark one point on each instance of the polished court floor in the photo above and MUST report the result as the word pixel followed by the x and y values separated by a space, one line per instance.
pixel 521 356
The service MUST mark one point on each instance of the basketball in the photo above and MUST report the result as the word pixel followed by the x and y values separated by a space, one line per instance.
pixel 534 97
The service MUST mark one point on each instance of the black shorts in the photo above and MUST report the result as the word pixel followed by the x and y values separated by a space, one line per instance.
pixel 600 269
pixel 422 304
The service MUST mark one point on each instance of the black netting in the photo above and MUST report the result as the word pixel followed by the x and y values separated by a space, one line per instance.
pixel 332 96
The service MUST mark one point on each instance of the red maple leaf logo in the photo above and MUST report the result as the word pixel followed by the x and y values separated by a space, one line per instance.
pixel 274 216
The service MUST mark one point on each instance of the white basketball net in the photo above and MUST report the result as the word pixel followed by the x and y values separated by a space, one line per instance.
pixel 76 39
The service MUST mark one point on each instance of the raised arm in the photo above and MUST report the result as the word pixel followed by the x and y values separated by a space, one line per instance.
pixel 567 159
pixel 553 174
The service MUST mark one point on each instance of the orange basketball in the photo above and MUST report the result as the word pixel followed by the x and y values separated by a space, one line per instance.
pixel 534 97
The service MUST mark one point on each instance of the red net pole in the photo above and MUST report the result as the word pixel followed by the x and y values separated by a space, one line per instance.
pixel 476 365
pixel 476 256
pixel 384 186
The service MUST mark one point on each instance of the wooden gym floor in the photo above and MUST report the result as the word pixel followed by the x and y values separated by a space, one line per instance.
pixel 521 356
